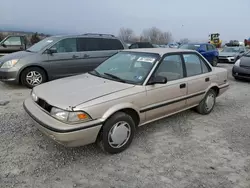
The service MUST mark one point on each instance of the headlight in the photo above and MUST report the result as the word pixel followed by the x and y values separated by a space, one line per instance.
pixel 69 116
pixel 9 64
pixel 34 96
pixel 237 63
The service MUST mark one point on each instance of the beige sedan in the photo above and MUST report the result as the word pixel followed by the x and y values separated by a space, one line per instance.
pixel 130 89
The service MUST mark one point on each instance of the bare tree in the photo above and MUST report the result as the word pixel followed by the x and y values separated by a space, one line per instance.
pixel 126 34
pixel 184 41
pixel 156 36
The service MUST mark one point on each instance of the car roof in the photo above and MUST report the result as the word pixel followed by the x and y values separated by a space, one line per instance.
pixel 160 51
pixel 198 43
pixel 86 35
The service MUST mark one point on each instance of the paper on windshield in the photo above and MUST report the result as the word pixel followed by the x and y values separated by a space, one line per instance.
pixel 146 59
pixel 49 41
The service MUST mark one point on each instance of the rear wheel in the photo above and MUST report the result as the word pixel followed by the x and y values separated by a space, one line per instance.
pixel 207 104
pixel 33 76
pixel 117 133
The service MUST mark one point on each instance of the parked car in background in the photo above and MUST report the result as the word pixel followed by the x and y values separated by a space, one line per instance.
pixel 128 90
pixel 241 68
pixel 173 45
pixel 13 43
pixel 58 56
pixel 207 50
pixel 230 54
pixel 233 43
pixel 141 45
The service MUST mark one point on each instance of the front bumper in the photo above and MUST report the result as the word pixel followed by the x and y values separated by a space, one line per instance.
pixel 65 134
pixel 240 72
pixel 226 60
pixel 9 75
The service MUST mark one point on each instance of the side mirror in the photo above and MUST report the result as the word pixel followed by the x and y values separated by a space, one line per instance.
pixel 157 80
pixel 3 45
pixel 242 52
pixel 51 51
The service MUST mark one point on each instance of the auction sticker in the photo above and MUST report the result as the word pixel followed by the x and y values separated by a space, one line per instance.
pixel 146 59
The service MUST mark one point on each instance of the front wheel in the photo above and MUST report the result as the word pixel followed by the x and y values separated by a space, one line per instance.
pixel 117 133
pixel 207 104
pixel 33 76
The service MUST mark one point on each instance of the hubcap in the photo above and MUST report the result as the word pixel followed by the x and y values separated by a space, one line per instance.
pixel 119 134
pixel 210 101
pixel 34 78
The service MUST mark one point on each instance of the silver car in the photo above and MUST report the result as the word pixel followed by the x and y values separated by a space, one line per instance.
pixel 130 89
pixel 58 56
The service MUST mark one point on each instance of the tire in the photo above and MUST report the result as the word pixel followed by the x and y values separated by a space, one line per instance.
pixel 214 61
pixel 202 108
pixel 105 139
pixel 36 74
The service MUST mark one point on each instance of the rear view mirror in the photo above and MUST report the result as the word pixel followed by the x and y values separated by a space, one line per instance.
pixel 157 80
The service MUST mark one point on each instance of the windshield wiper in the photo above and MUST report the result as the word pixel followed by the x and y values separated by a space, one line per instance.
pixel 28 51
pixel 94 72
pixel 115 77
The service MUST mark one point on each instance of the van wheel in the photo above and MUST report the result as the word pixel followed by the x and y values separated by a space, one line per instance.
pixel 207 104
pixel 215 61
pixel 33 76
pixel 117 133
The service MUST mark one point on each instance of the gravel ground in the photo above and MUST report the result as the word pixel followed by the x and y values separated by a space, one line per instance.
pixel 187 150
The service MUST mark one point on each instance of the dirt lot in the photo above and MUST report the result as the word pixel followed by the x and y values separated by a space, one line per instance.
pixel 187 150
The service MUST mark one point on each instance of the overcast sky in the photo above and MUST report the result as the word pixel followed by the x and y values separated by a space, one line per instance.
pixel 193 19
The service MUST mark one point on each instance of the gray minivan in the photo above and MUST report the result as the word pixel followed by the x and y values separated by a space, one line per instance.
pixel 58 56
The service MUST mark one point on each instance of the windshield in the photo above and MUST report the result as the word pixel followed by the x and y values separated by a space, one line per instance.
pixel 231 49
pixel 247 54
pixel 41 44
pixel 128 67
pixel 190 46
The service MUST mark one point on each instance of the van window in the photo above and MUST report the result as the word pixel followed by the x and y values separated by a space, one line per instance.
pixel 88 44
pixel 111 44
pixel 65 45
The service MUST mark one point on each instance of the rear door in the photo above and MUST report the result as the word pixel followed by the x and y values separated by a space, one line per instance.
pixel 211 52
pixel 199 77
pixel 96 50
pixel 11 44
pixel 164 99
pixel 66 59
pixel 205 51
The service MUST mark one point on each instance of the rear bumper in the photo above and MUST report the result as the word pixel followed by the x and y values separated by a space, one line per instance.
pixel 240 72
pixel 9 75
pixel 68 135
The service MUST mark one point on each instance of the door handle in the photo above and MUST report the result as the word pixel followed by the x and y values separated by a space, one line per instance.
pixel 85 55
pixel 183 86
pixel 75 56
pixel 207 79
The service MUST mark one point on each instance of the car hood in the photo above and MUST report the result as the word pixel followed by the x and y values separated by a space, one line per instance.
pixel 69 92
pixel 245 61
pixel 226 54
pixel 15 55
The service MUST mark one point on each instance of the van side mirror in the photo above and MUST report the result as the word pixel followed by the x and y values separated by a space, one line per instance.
pixel 157 80
pixel 51 51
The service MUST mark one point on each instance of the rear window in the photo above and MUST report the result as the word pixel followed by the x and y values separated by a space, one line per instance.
pixel 190 46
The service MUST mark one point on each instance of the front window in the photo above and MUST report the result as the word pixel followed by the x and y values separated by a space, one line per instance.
pixel 231 49
pixel 128 67
pixel 65 45
pixel 190 46
pixel 13 41
pixel 41 44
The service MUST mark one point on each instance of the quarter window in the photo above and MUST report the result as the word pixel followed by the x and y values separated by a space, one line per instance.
pixel 65 45
pixel 171 68
pixel 12 41
pixel 193 64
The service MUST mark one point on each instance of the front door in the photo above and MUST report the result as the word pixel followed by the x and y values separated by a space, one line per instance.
pixel 164 99
pixel 65 61
pixel 199 77
pixel 11 44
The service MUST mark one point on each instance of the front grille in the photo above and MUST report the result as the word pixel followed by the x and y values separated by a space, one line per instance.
pixel 245 75
pixel 42 103
pixel 223 60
